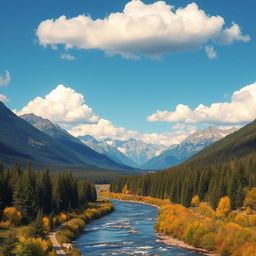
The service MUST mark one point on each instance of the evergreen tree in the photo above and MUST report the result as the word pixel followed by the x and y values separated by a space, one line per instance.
pixel 38 225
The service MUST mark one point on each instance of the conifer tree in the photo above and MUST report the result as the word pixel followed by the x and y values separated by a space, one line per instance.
pixel 38 225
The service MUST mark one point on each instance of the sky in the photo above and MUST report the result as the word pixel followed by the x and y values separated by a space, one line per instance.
pixel 152 70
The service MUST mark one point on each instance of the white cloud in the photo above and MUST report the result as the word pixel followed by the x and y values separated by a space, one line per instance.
pixel 239 110
pixel 210 52
pixel 67 56
pixel 232 34
pixel 105 129
pixel 5 80
pixel 141 29
pixel 3 98
pixel 62 105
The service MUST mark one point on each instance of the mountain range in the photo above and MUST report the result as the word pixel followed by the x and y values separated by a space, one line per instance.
pixel 20 142
pixel 30 137
pixel 138 154
pixel 131 152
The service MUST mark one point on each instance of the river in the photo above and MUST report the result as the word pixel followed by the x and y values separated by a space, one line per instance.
pixel 129 230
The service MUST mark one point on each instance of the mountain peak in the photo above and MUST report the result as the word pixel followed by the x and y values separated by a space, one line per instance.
pixel 39 122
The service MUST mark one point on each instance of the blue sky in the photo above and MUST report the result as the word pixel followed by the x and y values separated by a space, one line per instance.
pixel 120 89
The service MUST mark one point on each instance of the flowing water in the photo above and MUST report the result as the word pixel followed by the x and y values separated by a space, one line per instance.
pixel 129 230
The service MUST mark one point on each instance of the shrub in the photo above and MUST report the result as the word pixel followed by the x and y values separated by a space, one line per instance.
pixel 13 216
pixel 32 247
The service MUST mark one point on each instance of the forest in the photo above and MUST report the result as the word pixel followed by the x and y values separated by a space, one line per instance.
pixel 181 183
pixel 33 202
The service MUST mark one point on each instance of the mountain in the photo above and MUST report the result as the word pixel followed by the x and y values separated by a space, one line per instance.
pixel 190 146
pixel 132 152
pixel 21 142
pixel 108 150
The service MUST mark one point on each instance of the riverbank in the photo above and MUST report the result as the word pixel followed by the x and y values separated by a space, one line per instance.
pixel 71 229
pixel 167 239
pixel 179 243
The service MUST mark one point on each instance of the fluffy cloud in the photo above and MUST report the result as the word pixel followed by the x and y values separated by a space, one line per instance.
pixel 4 80
pixel 67 56
pixel 141 29
pixel 3 98
pixel 65 106
pixel 239 110
pixel 211 53
pixel 62 105
pixel 105 129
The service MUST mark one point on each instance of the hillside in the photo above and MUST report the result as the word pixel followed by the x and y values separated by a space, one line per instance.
pixel 21 142
pixel 234 146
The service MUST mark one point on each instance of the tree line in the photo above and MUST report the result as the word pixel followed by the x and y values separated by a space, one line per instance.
pixel 32 192
pixel 210 182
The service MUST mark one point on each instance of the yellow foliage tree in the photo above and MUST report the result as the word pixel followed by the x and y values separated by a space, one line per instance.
pixel 13 216
pixel 195 201
pixel 250 199
pixel 47 227
pixel 125 189
pixel 223 208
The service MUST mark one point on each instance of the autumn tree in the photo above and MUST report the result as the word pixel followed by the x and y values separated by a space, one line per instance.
pixel 223 208
pixel 195 201
pixel 125 189
pixel 31 247
pixel 12 215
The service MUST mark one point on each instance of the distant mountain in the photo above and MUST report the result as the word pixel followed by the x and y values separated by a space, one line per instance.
pixel 190 146
pixel 20 142
pixel 132 152
pixel 108 150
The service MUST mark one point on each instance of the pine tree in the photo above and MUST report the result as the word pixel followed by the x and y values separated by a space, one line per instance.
pixel 44 188
pixel 30 194
pixel 19 199
pixel 38 225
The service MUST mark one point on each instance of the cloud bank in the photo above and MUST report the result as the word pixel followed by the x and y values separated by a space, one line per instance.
pixel 240 110
pixel 105 129
pixel 141 30
pixel 62 105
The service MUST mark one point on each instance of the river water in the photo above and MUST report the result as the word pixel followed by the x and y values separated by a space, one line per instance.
pixel 129 230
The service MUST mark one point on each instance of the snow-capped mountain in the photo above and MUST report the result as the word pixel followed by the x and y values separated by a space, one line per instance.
pixel 190 146
pixel 108 150
pixel 134 151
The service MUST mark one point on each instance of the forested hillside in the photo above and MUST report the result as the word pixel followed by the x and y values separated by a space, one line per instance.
pixel 227 167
